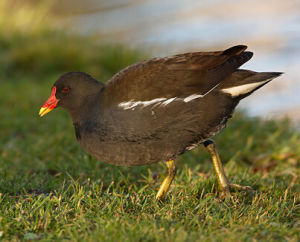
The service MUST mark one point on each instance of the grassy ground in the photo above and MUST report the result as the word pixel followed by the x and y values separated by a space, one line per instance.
pixel 50 189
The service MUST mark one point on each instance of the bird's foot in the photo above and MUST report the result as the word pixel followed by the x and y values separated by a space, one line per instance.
pixel 225 192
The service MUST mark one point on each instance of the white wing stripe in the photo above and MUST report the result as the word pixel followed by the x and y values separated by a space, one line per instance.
pixel 191 97
pixel 168 101
pixel 131 104
pixel 163 101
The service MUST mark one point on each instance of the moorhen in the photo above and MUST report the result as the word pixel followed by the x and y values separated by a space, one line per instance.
pixel 157 109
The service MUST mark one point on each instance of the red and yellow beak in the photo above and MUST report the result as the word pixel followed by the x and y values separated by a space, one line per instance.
pixel 50 104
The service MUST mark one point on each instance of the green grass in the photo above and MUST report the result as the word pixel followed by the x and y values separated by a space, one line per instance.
pixel 50 189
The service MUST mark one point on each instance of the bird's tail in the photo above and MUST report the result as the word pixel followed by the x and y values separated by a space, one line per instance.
pixel 242 83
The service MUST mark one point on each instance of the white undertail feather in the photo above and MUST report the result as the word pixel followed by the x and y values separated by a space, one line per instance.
pixel 243 89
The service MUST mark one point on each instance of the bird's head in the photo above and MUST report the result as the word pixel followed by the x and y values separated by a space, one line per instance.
pixel 71 91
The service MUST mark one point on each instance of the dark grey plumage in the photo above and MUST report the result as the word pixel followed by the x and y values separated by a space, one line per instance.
pixel 157 109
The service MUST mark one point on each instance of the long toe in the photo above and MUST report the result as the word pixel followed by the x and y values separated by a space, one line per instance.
pixel 239 187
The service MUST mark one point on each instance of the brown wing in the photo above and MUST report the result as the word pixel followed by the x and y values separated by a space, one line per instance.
pixel 175 76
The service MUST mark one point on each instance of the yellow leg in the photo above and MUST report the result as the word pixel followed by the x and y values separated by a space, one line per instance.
pixel 164 187
pixel 224 184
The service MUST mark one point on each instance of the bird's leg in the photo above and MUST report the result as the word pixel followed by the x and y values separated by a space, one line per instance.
pixel 224 184
pixel 164 187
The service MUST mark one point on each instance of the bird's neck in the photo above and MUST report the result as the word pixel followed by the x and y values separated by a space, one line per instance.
pixel 88 109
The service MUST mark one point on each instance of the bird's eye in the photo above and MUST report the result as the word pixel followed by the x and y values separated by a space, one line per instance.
pixel 66 90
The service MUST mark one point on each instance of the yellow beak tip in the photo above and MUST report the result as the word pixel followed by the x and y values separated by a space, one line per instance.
pixel 44 111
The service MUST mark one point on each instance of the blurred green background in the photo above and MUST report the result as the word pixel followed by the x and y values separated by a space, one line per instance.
pixel 162 27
